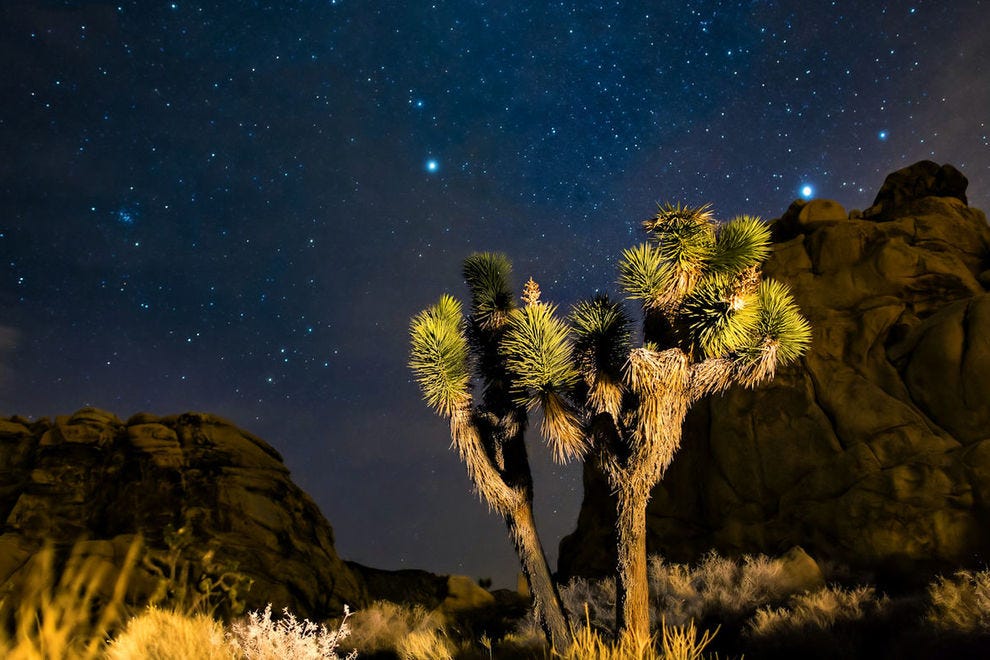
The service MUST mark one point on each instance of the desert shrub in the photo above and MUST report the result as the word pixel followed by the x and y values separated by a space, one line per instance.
pixel 525 639
pixel 716 587
pixel 386 626
pixel 817 611
pixel 258 637
pixel 960 603
pixel 592 601
pixel 158 634
pixel 67 615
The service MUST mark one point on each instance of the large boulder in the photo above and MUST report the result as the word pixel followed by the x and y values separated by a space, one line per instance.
pixel 94 482
pixel 875 449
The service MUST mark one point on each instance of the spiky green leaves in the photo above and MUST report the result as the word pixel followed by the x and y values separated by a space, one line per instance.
pixel 538 355
pixel 781 336
pixel 687 247
pixel 742 243
pixel 601 329
pixel 487 275
pixel 684 236
pixel 537 349
pixel 781 321
pixel 439 356
pixel 719 317
pixel 645 275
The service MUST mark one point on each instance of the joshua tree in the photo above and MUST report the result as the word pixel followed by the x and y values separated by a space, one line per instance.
pixel 709 321
pixel 489 434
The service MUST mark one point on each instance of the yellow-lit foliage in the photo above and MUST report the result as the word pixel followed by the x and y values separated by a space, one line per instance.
pixel 672 643
pixel 158 634
pixel 68 615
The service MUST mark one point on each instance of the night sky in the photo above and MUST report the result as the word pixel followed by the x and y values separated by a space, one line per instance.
pixel 236 207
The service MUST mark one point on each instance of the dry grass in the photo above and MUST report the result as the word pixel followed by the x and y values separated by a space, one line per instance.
pixel 157 634
pixel 960 603
pixel 674 642
pixel 76 612
pixel 67 615
pixel 404 630
pixel 714 588
pixel 71 614
pixel 817 611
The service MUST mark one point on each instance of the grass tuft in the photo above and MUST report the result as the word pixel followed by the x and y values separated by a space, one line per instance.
pixel 960 603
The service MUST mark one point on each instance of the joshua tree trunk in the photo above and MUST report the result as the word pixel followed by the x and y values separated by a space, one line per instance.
pixel 546 598
pixel 632 589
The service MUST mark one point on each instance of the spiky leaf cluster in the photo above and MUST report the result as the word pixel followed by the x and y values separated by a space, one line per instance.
pixel 537 350
pixel 742 243
pixel 684 236
pixel 601 330
pixel 719 317
pixel 487 276
pixel 439 355
pixel 645 275
pixel 781 321
pixel 539 357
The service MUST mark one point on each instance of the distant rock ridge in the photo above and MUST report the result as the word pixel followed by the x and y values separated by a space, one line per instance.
pixel 92 476
pixel 875 449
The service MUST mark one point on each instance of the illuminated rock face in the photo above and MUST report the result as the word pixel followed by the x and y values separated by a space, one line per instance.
pixel 92 476
pixel 875 450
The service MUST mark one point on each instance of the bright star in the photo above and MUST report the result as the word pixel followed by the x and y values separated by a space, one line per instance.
pixel 882 135
pixel 807 192
pixel 432 165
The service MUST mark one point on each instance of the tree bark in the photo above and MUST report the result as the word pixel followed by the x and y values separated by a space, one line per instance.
pixel 632 588
pixel 546 598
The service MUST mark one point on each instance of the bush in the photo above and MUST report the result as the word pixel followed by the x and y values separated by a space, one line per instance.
pixel 257 637
pixel 817 611
pixel 158 634
pixel 403 630
pixel 960 603
pixel 715 588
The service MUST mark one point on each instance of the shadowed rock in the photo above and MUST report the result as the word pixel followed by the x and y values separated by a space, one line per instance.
pixel 92 476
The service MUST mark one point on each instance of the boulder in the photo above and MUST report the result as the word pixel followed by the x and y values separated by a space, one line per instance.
pixel 918 181
pixel 93 482
pixel 874 450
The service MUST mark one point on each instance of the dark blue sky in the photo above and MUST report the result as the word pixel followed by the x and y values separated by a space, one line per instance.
pixel 236 207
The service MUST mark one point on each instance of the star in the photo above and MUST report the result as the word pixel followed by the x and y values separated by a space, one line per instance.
pixel 432 165
pixel 807 191
pixel 882 135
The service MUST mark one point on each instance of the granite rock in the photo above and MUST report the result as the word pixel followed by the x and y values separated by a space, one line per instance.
pixel 93 481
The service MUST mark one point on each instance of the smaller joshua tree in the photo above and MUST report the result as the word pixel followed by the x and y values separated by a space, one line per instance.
pixel 709 321
pixel 449 354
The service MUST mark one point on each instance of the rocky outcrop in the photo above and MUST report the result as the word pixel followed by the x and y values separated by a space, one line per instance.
pixel 875 450
pixel 91 476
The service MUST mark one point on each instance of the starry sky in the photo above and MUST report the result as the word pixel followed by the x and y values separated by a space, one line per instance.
pixel 236 207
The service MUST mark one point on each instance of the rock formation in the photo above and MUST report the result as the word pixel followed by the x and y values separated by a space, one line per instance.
pixel 875 450
pixel 91 476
